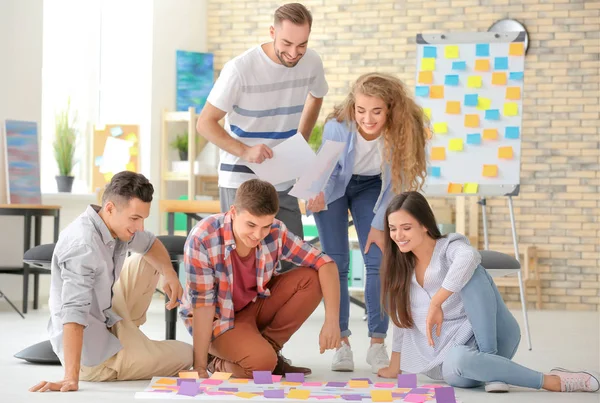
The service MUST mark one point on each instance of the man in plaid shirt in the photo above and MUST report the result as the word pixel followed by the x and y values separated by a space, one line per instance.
pixel 240 308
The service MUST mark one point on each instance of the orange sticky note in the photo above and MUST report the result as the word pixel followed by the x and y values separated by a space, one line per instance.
pixel 438 153
pixel 425 77
pixel 168 381
pixel 499 78
pixel 516 49
pixel 505 153
pixel 490 171
pixel 358 384
pixel 454 188
pixel 239 380
pixel 513 93
pixel 471 120
pixel 299 394
pixel 188 375
pixel 286 383
pixel 222 376
pixel 482 65
pixel 436 92
pixel 453 107
pixel 490 134
pixel 245 395
pixel 382 396
pixel 471 188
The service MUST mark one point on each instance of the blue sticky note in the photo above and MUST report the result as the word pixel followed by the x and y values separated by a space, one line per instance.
pixel 482 50
pixel 511 132
pixel 501 63
pixel 515 75
pixel 474 138
pixel 98 161
pixel 451 79
pixel 459 66
pixel 471 99
pixel 435 172
pixel 116 131
pixel 430 51
pixel 492 114
pixel 422 91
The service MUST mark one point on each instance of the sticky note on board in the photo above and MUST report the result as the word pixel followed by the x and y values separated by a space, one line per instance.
pixel 505 153
pixel 474 138
pixel 492 114
pixel 471 188
pixel 436 92
pixel 498 78
pixel 513 93
pixel 490 134
pixel 381 396
pixel 427 112
pixel 435 172
pixel 425 77
pixel 471 99
pixel 438 153
pixel 455 145
pixel 490 171
pixel 516 49
pixel 429 52
pixel 516 75
pixel 131 137
pixel 299 394
pixel 428 64
pixel 440 128
pixel 451 52
pixel 484 103
pixel 471 120
pixel 474 82
pixel 451 79
pixel 482 65
pixel 482 50
pixel 459 66
pixel 454 188
pixel 453 107
pixel 133 151
pixel 511 109
pixel 422 91
pixel 501 63
pixel 358 384
pixel 98 160
pixel 116 131
pixel 511 132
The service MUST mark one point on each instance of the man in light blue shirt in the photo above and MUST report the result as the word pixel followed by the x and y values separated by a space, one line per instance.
pixel 99 296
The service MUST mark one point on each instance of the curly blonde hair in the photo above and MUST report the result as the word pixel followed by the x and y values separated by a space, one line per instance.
pixel 405 133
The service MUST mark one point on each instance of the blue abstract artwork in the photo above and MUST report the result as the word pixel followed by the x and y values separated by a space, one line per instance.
pixel 195 77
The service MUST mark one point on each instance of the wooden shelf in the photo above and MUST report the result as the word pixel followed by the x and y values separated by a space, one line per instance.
pixel 177 116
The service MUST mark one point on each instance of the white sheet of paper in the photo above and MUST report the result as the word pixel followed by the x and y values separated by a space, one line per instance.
pixel 116 155
pixel 315 177
pixel 290 159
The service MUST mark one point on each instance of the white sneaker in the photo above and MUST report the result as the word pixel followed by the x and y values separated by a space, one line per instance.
pixel 496 387
pixel 343 360
pixel 581 381
pixel 377 357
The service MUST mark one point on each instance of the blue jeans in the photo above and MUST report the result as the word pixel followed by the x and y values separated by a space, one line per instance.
pixel 497 337
pixel 360 197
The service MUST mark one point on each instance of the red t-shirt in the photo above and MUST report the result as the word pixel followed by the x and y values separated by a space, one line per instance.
pixel 244 279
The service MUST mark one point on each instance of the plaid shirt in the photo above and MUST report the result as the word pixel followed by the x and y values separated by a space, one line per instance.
pixel 208 265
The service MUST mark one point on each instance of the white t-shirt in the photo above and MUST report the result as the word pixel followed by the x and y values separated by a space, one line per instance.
pixel 264 101
pixel 367 156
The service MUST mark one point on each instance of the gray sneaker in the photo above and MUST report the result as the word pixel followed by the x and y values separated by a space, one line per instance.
pixel 571 381
pixel 496 387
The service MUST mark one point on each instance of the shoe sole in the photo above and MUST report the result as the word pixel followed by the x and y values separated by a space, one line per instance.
pixel 593 375
pixel 496 389
pixel 342 369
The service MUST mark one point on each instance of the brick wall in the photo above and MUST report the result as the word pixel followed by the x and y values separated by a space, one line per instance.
pixel 559 206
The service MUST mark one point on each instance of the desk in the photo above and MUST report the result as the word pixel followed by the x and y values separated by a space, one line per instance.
pixel 29 211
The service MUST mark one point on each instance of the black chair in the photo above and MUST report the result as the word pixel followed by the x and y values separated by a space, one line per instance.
pixel 174 245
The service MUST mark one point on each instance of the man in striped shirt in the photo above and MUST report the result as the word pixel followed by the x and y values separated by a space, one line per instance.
pixel 267 94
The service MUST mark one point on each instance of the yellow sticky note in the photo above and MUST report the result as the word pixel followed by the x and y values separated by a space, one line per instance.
pixel 454 188
pixel 440 128
pixel 436 92
pixel 482 65
pixel 513 93
pixel 490 171
pixel 239 380
pixel 511 109
pixel 428 64
pixel 438 153
pixel 471 188
pixel 451 52
pixel 455 145
pixel 453 107
pixel 505 153
pixel 382 396
pixel 298 394
pixel 131 137
pixel 189 375
pixel 474 82
pixel 499 78
pixel 167 381
pixel 490 134
pixel 427 112
pixel 402 390
pixel 108 176
pixel 483 103
pixel 222 376
pixel 133 151
pixel 245 395
pixel 516 49
pixel 286 383
pixel 471 120
pixel 166 387
pixel 130 167
pixel 358 384
pixel 425 77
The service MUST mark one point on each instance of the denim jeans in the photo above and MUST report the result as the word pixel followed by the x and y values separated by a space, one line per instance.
pixel 360 197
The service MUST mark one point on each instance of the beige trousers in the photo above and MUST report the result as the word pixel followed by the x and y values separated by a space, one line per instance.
pixel 140 357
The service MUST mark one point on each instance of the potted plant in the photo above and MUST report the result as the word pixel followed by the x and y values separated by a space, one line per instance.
pixel 316 137
pixel 64 148
pixel 181 145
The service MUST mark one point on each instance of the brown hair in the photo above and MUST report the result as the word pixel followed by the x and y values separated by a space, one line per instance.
pixel 296 13
pixel 257 197
pixel 396 267
pixel 405 134
pixel 127 185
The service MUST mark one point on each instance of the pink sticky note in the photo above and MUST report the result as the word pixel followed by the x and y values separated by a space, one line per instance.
pixel 415 398
pixel 211 382
pixel 385 385
pixel 324 397
pixel 434 386
pixel 276 378
pixel 317 384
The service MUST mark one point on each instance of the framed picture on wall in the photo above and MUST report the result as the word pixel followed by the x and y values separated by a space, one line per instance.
pixel 195 76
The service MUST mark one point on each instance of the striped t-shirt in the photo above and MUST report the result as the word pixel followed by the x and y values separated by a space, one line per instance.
pixel 264 101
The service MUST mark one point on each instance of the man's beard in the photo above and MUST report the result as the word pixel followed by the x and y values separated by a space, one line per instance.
pixel 285 63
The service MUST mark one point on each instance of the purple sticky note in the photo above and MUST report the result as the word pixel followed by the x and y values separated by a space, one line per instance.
pixel 419 391
pixel 188 389
pixel 294 377
pixel 395 394
pixel 228 389
pixel 445 395
pixel 415 398
pixel 336 384
pixel 262 377
pixel 161 391
pixel 363 379
pixel 407 380
pixel 275 394
pixel 352 397
pixel 181 380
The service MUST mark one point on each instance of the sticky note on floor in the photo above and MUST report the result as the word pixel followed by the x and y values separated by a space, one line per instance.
pixel 167 381
pixel 471 188
pixel 440 128
pixel 189 374
pixel 492 114
pixel 428 64
pixel 451 79
pixel 516 49
pixel 381 396
pixel 498 78
pixel 427 112
pixel 455 145
pixel 245 395
pixel 299 394
pixel 474 138
pixel 436 92
pixel 505 153
pixel 459 66
pixel 438 153
pixel 511 132
pixel 435 172
pixel 294 377
pixel 516 75
pixel 454 188
pixel 239 380
pixel 451 52
pixel 484 103
pixel 274 394
pixel 445 395
pixel 213 382
pixel 412 398
pixel 453 107
pixel 262 377
pixel 287 383
pixel 482 50
pixel 490 171
pixel 471 120
pixel 429 52
pixel 223 376
pixel 422 91
pixel 188 389
pixel 490 134
pixel 482 65
pixel 513 93
pixel 407 380
pixel 474 82
pixel 501 63
pixel 358 384
pixel 511 109
pixel 425 77
pixel 471 99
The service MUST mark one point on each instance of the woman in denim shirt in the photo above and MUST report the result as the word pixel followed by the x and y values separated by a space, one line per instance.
pixel 384 132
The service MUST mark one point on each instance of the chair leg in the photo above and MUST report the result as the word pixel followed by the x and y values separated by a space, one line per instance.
pixel 25 287
pixel 36 290
pixel 524 309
